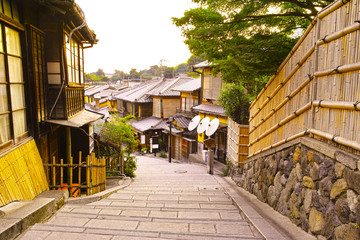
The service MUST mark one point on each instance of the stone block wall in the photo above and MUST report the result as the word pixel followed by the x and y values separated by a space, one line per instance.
pixel 316 185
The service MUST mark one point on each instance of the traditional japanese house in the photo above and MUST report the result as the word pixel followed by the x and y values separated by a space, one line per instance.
pixel 41 91
pixel 210 107
pixel 189 97
pixel 136 101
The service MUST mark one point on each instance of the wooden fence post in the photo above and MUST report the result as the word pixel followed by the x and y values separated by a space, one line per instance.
pixel 53 173
pixel 79 170
pixel 71 175
pixel 61 173
pixel 88 183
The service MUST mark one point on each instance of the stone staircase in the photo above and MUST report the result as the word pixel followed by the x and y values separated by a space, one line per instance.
pixel 180 201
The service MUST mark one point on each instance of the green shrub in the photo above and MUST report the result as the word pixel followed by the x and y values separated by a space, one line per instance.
pixel 130 166
pixel 163 154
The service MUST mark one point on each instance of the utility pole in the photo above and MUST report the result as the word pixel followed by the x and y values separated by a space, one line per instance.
pixel 162 67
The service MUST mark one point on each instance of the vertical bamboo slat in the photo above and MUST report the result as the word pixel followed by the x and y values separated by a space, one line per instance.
pixel 88 177
pixel 333 69
pixel 53 173
pixel 71 174
pixel 61 173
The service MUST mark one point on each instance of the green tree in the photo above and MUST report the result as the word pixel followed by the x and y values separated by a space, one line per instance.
pixel 182 68
pixel 193 60
pixel 236 102
pixel 99 72
pixel 119 134
pixel 169 72
pixel 134 74
pixel 118 75
pixel 246 40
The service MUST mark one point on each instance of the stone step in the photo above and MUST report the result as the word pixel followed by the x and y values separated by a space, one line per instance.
pixel 161 207
pixel 105 229
pixel 157 216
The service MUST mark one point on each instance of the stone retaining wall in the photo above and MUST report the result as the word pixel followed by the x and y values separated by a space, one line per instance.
pixel 316 185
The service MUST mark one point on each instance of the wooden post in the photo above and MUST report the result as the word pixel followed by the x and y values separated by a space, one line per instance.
pixel 53 173
pixel 68 144
pixel 88 183
pixel 122 165
pixel 61 173
pixel 104 175
pixel 79 176
pixel 71 176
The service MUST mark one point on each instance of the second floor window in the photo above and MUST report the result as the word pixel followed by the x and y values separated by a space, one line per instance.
pixel 75 63
pixel 12 99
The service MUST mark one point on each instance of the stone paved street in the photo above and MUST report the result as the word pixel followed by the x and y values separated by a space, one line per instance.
pixel 166 201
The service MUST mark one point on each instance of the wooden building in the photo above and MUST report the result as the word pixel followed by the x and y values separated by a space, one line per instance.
pixel 136 100
pixel 210 107
pixel 41 90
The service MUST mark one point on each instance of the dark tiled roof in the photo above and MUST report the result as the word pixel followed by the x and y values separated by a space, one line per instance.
pixel 139 92
pixel 152 123
pixel 107 93
pixel 146 123
pixel 190 86
pixel 202 64
pixel 96 89
pixel 165 126
pixel 182 121
pixel 210 108
pixel 166 88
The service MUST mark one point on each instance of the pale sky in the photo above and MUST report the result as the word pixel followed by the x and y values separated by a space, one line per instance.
pixel 134 33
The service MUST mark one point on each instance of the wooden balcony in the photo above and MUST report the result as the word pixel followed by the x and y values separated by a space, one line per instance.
pixel 74 100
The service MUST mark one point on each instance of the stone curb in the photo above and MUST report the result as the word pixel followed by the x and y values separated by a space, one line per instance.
pixel 14 223
pixel 19 220
pixel 101 195
pixel 283 228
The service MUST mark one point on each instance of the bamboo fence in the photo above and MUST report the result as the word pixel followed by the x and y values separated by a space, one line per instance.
pixel 90 175
pixel 316 90
pixel 22 175
pixel 237 142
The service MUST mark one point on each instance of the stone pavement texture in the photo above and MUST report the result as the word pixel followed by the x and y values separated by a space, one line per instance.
pixel 166 201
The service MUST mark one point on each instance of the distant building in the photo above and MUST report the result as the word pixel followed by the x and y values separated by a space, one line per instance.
pixel 210 107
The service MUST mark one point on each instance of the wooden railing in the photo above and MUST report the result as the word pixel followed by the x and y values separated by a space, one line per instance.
pixel 90 176
pixel 316 90
pixel 74 100
pixel 114 166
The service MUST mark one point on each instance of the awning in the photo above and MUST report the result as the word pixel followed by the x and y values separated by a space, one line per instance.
pixel 84 117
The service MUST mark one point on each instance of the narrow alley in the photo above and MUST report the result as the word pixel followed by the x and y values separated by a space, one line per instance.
pixel 168 201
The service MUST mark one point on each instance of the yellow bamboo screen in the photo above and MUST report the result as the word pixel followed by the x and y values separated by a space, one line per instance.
pixel 69 175
pixel 317 88
pixel 237 142
pixel 22 175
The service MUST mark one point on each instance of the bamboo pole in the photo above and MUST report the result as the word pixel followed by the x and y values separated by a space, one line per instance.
pixel 79 170
pixel 337 139
pixel 292 52
pixel 62 173
pixel 286 99
pixel 331 8
pixel 53 172
pixel 103 171
pixel 340 140
pixel 71 176
pixel 88 182
pixel 282 122
pixel 338 105
pixel 338 34
pixel 340 69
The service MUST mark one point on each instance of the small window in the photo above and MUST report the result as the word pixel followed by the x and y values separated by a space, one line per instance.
pixel 75 64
